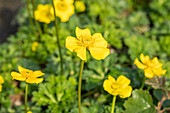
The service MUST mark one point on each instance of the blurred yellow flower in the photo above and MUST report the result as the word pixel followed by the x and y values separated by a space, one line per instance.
pixel 34 46
pixel 1 82
pixel 29 112
pixel 27 75
pixel 44 13
pixel 64 9
pixel 80 6
pixel 118 87
pixel 96 44
pixel 151 67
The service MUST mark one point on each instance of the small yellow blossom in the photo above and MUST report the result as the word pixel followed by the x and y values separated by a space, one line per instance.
pixel 29 112
pixel 27 75
pixel 96 44
pixel 118 87
pixel 64 9
pixel 44 13
pixel 80 6
pixel 34 46
pixel 151 67
pixel 1 82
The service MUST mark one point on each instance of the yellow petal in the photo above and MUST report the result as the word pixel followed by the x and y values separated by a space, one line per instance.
pixel 158 71
pixel 155 62
pixel 123 81
pixel 1 80
pixel 163 72
pixel 107 87
pixel 98 41
pixel 144 59
pixel 126 92
pixel 111 79
pixel 99 53
pixel 149 73
pixel 139 64
pixel 23 70
pixel 37 74
pixel 81 52
pixel 69 1
pixel 72 43
pixel 82 33
pixel 18 76
pixel 40 7
pixel 0 87
pixel 29 112
pixel 34 80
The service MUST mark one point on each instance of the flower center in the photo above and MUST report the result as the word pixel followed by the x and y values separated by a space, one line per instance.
pixel 86 41
pixel 61 6
pixel 27 73
pixel 115 86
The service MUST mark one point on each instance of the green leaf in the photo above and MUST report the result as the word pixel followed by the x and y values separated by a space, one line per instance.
pixel 140 102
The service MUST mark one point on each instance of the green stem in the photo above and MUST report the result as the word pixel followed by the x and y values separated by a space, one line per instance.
pixel 30 19
pixel 143 83
pixel 79 85
pixel 149 87
pixel 113 104
pixel 26 90
pixel 36 23
pixel 58 40
pixel 45 27
pixel 105 11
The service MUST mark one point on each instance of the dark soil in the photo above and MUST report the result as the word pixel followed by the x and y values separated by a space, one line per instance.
pixel 8 10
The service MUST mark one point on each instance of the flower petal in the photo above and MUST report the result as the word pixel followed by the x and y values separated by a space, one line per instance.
pixel 111 79
pixel 144 59
pixel 23 70
pixel 107 87
pixel 158 71
pixel 69 1
pixel 1 80
pixel 99 53
pixel 139 64
pixel 123 81
pixel 156 63
pixel 18 76
pixel 34 80
pixel 126 92
pixel 72 43
pixel 82 33
pixel 0 87
pixel 37 74
pixel 149 73
pixel 98 41
pixel 81 52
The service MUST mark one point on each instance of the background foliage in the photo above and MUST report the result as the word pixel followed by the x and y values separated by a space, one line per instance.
pixel 131 27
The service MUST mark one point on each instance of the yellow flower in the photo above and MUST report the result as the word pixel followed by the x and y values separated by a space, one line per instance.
pixel 34 46
pixel 118 87
pixel 96 44
pixel 64 9
pixel 1 82
pixel 151 67
pixel 80 6
pixel 27 75
pixel 29 112
pixel 44 13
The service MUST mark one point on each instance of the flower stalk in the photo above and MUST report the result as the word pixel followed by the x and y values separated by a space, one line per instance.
pixel 79 85
pixel 26 90
pixel 143 83
pixel 58 40
pixel 30 19
pixel 113 104
pixel 36 23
